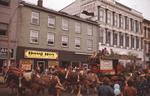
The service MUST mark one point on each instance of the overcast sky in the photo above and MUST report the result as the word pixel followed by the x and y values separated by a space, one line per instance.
pixel 142 6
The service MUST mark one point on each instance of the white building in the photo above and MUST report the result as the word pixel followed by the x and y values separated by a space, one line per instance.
pixel 120 26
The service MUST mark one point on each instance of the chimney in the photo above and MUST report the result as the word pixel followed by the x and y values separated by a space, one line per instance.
pixel 40 3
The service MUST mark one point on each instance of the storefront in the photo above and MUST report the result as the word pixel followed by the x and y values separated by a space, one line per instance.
pixel 4 57
pixel 30 58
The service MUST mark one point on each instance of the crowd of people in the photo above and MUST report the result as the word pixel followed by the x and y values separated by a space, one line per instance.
pixel 134 84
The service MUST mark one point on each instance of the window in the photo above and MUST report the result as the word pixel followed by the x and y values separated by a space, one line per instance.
pixel 89 45
pixel 116 19
pixel 127 40
pixel 77 42
pixel 50 38
pixel 51 21
pixel 132 42
pixel 126 23
pixel 115 38
pixel 108 37
pixel 35 18
pixel 122 22
pixel 89 30
pixel 3 29
pixel 34 36
pixel 102 30
pixel 137 42
pixel 132 24
pixel 148 31
pixel 65 41
pixel 5 2
pixel 77 27
pixel 137 26
pixel 109 15
pixel 65 24
pixel 102 15
pixel 121 39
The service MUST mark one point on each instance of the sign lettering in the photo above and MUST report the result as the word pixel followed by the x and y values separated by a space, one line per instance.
pixel 40 54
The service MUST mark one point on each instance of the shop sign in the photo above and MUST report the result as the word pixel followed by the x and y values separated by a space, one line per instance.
pixel 26 64
pixel 106 65
pixel 4 53
pixel 40 54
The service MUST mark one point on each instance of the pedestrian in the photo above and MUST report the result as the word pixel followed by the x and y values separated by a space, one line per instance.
pixel 105 89
pixel 129 89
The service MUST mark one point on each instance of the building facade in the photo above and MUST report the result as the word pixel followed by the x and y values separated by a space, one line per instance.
pixel 146 31
pixel 120 26
pixel 47 37
pixel 8 30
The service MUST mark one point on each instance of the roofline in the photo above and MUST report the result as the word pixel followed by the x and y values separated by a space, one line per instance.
pixel 146 20
pixel 58 13
pixel 67 5
pixel 128 11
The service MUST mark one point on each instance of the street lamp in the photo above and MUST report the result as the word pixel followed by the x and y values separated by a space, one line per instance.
pixel 11 18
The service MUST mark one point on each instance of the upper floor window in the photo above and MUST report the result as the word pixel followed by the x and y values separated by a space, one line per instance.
pixel 89 30
pixel 34 36
pixel 132 24
pixel 102 15
pixel 35 18
pixel 132 42
pixel 127 40
pixel 5 2
pixel 115 38
pixel 121 39
pixel 3 29
pixel 101 33
pixel 77 42
pixel 148 31
pixel 108 37
pixel 89 45
pixel 122 22
pixel 126 23
pixel 137 25
pixel 65 41
pixel 77 27
pixel 51 21
pixel 109 17
pixel 116 19
pixel 50 38
pixel 65 24
pixel 137 42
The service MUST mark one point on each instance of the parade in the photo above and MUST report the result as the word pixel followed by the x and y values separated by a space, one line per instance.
pixel 88 48
pixel 78 81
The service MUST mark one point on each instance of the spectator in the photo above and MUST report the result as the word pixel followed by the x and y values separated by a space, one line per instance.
pixel 105 89
pixel 130 90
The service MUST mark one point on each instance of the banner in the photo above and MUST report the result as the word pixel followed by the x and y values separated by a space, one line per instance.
pixel 106 65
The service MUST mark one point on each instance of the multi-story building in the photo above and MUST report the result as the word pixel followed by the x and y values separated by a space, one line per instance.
pixel 47 37
pixel 8 29
pixel 120 26
pixel 146 31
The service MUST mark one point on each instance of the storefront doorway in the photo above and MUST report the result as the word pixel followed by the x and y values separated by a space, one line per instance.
pixel 41 65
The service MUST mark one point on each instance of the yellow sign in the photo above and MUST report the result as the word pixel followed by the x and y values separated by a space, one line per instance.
pixel 40 54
